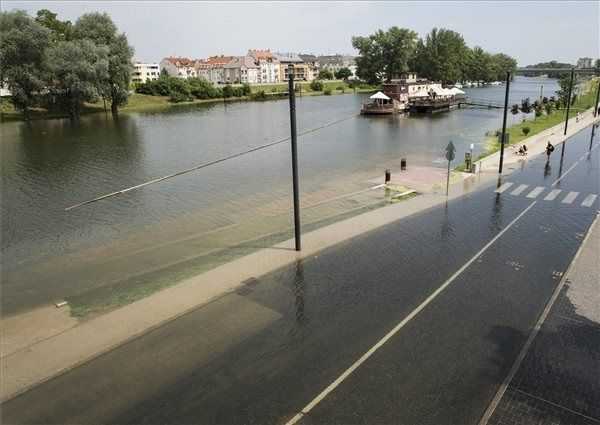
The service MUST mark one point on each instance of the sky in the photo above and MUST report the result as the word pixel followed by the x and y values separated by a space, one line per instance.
pixel 531 32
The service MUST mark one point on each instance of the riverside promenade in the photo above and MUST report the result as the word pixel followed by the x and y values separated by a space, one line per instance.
pixel 64 343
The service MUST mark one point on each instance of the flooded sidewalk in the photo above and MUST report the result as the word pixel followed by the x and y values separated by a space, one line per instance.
pixel 557 381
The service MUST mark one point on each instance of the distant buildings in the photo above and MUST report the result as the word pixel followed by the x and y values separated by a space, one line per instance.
pixel 268 65
pixel 179 67
pixel 334 63
pixel 241 69
pixel 257 66
pixel 584 63
pixel 143 72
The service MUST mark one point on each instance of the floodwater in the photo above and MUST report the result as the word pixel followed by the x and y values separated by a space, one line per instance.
pixel 50 165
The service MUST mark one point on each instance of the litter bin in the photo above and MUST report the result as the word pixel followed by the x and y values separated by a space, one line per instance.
pixel 403 164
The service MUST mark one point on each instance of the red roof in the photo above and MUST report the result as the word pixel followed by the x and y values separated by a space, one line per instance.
pixel 260 54
pixel 180 61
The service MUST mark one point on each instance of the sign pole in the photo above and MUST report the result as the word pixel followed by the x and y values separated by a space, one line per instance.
pixel 449 156
pixel 292 96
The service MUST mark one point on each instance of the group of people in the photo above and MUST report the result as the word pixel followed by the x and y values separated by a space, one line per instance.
pixel 549 149
pixel 522 150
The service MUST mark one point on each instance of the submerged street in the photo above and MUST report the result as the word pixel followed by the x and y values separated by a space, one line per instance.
pixel 441 302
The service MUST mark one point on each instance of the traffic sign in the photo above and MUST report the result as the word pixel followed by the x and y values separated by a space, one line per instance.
pixel 450 149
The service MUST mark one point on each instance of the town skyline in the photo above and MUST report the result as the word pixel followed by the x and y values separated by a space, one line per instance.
pixel 567 34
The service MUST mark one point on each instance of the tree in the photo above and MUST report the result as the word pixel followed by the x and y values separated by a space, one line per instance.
pixel 100 29
pixel 325 74
pixel 525 131
pixel 500 65
pixel 442 56
pixel 343 73
pixel 22 45
pixel 563 91
pixel 60 30
pixel 316 85
pixel 478 66
pixel 385 54
pixel 76 67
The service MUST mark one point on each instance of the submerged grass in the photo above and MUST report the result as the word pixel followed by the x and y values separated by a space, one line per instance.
pixel 109 297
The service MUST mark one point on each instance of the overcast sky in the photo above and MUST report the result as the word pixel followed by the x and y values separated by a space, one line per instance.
pixel 529 31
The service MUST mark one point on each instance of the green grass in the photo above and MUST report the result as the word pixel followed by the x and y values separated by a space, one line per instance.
pixel 539 124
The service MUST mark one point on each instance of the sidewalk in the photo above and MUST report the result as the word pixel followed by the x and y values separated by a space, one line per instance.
pixel 558 381
pixel 62 348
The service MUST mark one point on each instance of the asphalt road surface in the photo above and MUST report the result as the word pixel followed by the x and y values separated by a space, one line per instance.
pixel 418 321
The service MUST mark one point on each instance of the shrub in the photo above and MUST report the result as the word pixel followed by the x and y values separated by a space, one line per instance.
pixel 327 92
pixel 549 106
pixel 514 109
pixel 246 89
pixel 325 74
pixel 341 88
pixel 179 90
pixel 259 95
pixel 525 131
pixel 316 85
pixel 227 91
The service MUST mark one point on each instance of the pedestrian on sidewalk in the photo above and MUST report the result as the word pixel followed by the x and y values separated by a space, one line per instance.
pixel 549 150
pixel 577 117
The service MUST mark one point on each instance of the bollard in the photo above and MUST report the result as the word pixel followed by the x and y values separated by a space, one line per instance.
pixel 388 176
pixel 403 164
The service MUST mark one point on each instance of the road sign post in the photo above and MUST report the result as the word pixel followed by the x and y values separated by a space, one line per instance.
pixel 450 150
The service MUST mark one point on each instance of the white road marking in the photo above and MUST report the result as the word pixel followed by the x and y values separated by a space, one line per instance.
pixel 565 173
pixel 589 201
pixel 570 197
pixel 552 195
pixel 400 325
pixel 519 189
pixel 535 192
pixel 503 187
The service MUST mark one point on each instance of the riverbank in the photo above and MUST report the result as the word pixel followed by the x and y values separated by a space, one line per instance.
pixel 539 124
pixel 140 102
pixel 58 351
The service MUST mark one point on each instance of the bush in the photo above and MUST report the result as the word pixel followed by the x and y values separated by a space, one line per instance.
pixel 227 91
pixel 327 92
pixel 316 85
pixel 259 95
pixel 514 109
pixel 179 90
pixel 525 131
pixel 549 107
pixel 325 74
pixel 341 88
pixel 246 89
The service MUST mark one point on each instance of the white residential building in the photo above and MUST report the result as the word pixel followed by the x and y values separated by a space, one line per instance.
pixel 179 67
pixel 241 69
pixel 268 65
pixel 334 63
pixel 213 68
pixel 584 63
pixel 143 72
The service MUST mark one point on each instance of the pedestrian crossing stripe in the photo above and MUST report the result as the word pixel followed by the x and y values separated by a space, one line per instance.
pixel 552 195
pixel 569 197
pixel 535 192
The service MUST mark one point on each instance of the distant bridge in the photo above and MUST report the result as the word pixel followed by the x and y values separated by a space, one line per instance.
pixel 562 70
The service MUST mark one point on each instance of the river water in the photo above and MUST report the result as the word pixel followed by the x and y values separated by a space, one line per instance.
pixel 50 165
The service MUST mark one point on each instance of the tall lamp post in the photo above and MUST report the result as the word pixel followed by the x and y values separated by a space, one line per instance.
pixel 504 123
pixel 292 96
pixel 562 150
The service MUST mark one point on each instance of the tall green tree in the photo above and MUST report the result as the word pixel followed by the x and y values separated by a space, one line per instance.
pixel 385 54
pixel 563 91
pixel 343 73
pixel 22 45
pixel 60 30
pixel 478 66
pixel 501 64
pixel 442 56
pixel 76 67
pixel 101 30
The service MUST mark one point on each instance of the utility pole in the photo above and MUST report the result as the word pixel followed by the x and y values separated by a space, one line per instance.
pixel 292 96
pixel 504 123
pixel 562 150
pixel 597 98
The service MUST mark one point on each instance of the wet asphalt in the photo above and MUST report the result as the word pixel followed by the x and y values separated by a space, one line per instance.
pixel 260 355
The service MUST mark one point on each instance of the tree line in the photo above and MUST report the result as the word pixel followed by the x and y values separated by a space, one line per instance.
pixel 182 90
pixel 58 65
pixel 441 56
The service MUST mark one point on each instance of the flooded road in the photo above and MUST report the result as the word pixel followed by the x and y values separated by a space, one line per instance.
pixel 266 352
pixel 48 253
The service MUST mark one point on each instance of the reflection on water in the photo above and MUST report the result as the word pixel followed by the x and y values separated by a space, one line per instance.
pixel 49 165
